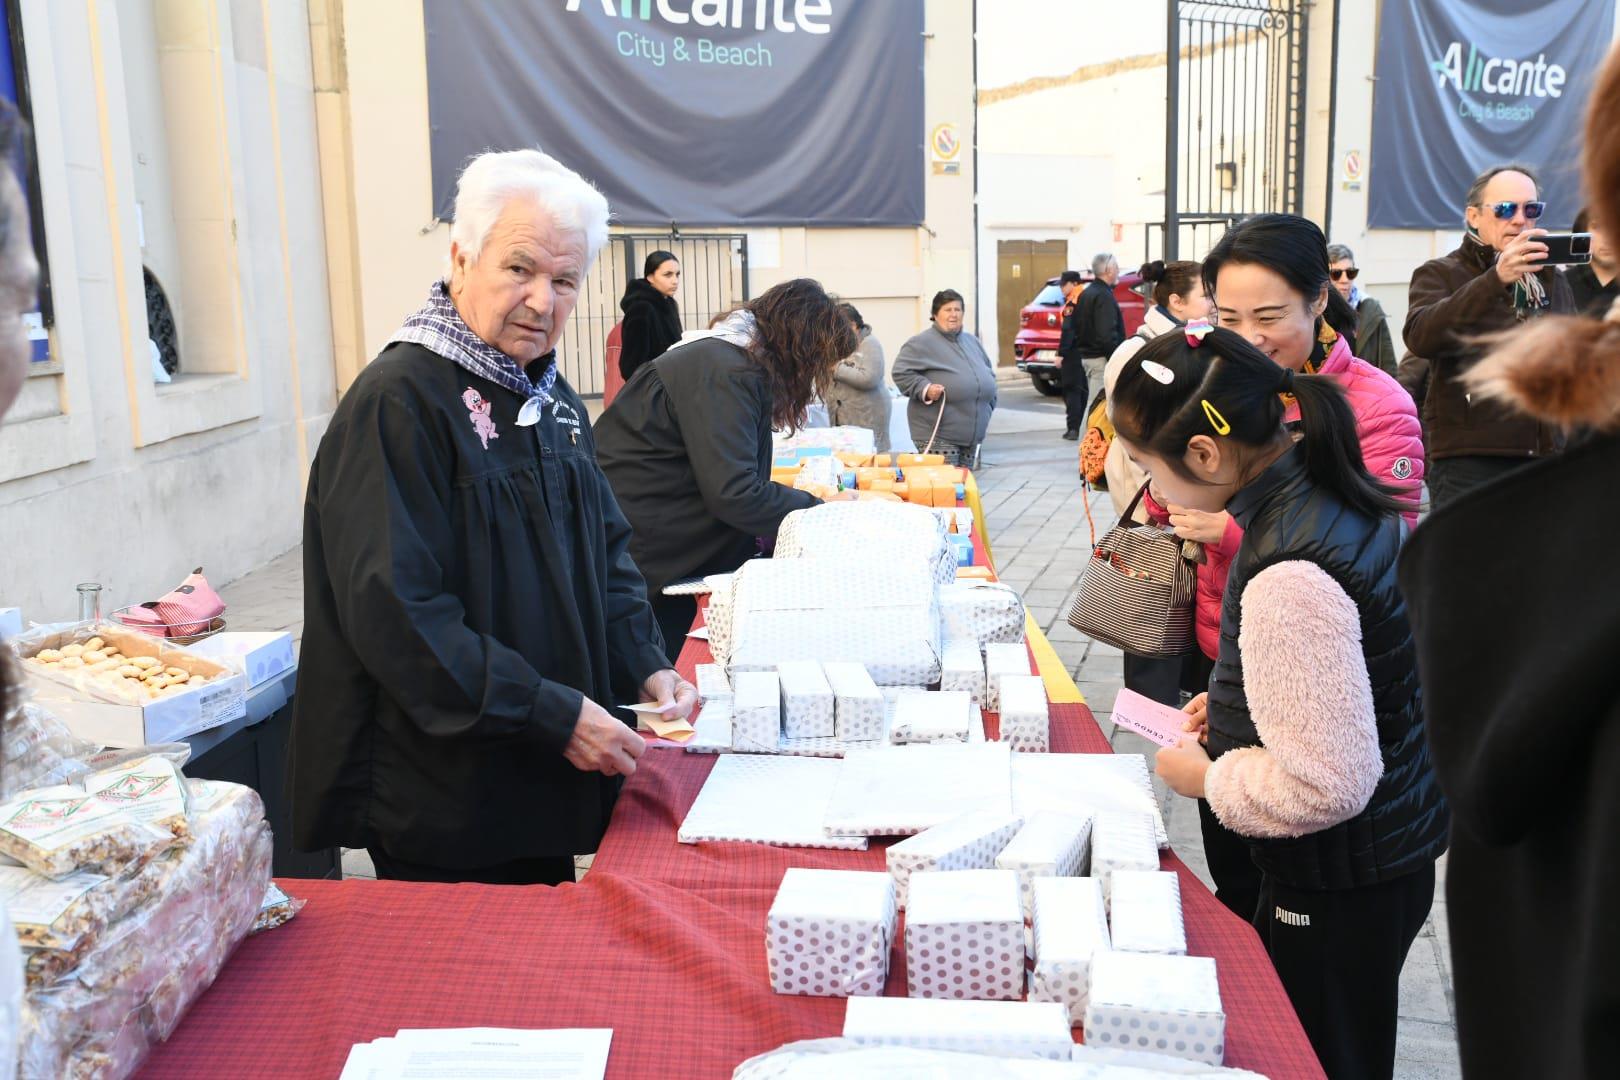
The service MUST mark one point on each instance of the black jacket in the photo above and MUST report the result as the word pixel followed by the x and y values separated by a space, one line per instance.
pixel 687 448
pixel 1453 300
pixel 1285 516
pixel 1591 297
pixel 1517 626
pixel 466 582
pixel 1098 324
pixel 652 323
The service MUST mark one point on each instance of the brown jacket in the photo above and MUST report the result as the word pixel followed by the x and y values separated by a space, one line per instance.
pixel 1453 299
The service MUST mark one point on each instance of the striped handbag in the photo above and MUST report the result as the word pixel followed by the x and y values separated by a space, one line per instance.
pixel 1137 591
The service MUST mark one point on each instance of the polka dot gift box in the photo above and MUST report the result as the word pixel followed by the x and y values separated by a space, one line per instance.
pixel 1005 1029
pixel 1147 912
pixel 1049 845
pixel 1070 928
pixel 962 668
pixel 858 707
pixel 1159 1004
pixel 969 842
pixel 828 933
pixel 807 700
pixel 965 935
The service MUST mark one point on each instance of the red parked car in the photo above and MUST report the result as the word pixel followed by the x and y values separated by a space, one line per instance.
pixel 1040 325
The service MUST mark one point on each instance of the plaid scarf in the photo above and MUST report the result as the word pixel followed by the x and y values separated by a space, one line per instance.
pixel 438 327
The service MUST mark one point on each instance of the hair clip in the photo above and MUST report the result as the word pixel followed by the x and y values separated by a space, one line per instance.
pixel 1158 372
pixel 1216 420
pixel 1195 331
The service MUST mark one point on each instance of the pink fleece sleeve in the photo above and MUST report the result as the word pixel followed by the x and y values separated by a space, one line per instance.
pixel 1311 702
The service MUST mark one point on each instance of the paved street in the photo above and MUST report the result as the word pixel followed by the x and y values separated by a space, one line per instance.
pixel 1037 526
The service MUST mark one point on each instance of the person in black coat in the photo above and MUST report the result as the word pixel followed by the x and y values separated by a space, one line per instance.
pixel 1091 333
pixel 687 445
pixel 1596 284
pixel 652 319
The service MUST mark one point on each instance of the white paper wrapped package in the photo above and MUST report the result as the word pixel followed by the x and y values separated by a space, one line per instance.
pixel 964 935
pixel 969 842
pixel 900 790
pixel 931 718
pixel 712 684
pixel 807 700
pixel 981 1027
pixel 717 617
pixel 1146 911
pixel 1121 841
pixel 889 532
pixel 1049 845
pixel 1086 784
pixel 1070 928
pixel 981 612
pixel 756 713
pixel 871 612
pixel 1025 714
pixel 1001 658
pixel 858 709
pixel 1161 1004
pixel 829 931
pixel 962 668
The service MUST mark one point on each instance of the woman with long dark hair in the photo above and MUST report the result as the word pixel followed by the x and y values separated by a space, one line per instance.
pixel 1310 742
pixel 687 446
pixel 652 319
pixel 857 397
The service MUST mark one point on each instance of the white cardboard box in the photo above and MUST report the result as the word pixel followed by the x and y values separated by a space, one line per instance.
pixel 981 611
pixel 712 684
pixel 756 713
pixel 1122 841
pixel 1049 845
pixel 829 931
pixel 1025 714
pixel 932 717
pixel 807 700
pixel 1161 1004
pixel 1070 928
pixel 962 668
pixel 858 711
pixel 969 842
pixel 260 655
pixel 1002 658
pixel 964 935
pixel 982 1027
pixel 1146 907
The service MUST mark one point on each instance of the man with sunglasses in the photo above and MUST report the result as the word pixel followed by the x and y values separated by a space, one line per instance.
pixel 1495 281
pixel 1373 342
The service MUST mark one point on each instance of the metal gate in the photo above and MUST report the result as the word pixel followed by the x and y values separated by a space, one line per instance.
pixel 714 279
pixel 1235 137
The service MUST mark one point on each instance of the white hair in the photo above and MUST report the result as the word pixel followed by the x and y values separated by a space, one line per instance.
pixel 1099 263
pixel 493 179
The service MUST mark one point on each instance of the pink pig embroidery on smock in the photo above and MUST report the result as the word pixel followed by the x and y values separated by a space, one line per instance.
pixel 478 411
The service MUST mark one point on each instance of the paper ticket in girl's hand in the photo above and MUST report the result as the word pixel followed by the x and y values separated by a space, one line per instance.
pixel 1159 723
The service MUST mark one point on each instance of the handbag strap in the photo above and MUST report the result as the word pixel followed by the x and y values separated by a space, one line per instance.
pixel 929 449
pixel 1125 518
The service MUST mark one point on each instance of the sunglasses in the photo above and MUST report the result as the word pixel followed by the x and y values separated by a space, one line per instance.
pixel 1504 211
pixel 1350 273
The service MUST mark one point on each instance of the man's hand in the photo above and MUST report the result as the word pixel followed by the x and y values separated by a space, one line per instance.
pixel 1197 711
pixel 1197 526
pixel 674 696
pixel 1183 766
pixel 1524 254
pixel 931 394
pixel 603 744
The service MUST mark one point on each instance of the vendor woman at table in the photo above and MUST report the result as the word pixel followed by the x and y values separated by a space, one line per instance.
pixel 688 447
pixel 471 610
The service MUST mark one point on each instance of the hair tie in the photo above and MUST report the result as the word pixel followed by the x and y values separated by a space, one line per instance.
pixel 1196 330
pixel 1287 381
pixel 1216 420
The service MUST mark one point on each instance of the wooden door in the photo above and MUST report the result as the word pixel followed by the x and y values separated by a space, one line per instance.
pixel 1022 269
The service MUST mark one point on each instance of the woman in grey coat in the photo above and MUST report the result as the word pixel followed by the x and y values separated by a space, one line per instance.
pixel 945 370
pixel 857 396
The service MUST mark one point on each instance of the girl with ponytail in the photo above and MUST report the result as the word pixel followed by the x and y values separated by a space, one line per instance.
pixel 1309 745
pixel 1515 602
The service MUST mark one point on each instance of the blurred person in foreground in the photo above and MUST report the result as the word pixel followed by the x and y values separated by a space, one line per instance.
pixel 1595 285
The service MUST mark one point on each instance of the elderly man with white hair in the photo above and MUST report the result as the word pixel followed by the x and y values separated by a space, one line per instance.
pixel 471 609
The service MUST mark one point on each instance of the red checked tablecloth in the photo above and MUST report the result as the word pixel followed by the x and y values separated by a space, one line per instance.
pixel 663 942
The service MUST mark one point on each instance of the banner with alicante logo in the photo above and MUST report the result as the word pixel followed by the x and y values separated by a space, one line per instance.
pixel 698 112
pixel 1466 84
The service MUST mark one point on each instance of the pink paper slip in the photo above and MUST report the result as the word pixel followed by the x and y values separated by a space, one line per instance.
pixel 1159 723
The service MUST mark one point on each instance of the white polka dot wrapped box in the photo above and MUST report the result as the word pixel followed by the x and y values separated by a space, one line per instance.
pixel 1070 928
pixel 1000 1028
pixel 964 935
pixel 961 667
pixel 829 932
pixel 969 842
pixel 1050 844
pixel 932 717
pixel 807 700
pixel 858 708
pixel 756 713
pixel 853 530
pixel 1121 840
pixel 1146 912
pixel 1159 1004
pixel 1025 714
pixel 712 684
pixel 1001 659
pixel 981 612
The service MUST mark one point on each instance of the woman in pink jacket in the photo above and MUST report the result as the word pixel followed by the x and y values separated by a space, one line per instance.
pixel 1269 277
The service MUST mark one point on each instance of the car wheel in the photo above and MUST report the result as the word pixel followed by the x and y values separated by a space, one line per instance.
pixel 1046 385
